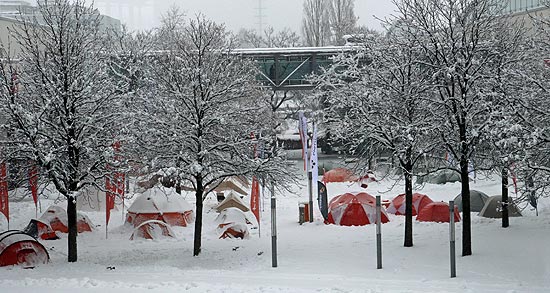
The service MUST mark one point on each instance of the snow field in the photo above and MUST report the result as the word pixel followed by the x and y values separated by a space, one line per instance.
pixel 313 257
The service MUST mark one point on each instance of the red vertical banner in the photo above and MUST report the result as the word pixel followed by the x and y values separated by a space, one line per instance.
pixel 4 202
pixel 109 198
pixel 115 186
pixel 255 198
pixel 255 192
pixel 33 183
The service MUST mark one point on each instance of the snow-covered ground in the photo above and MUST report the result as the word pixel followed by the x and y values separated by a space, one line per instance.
pixel 313 257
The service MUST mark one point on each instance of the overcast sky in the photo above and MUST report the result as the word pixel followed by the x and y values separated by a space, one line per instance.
pixel 144 14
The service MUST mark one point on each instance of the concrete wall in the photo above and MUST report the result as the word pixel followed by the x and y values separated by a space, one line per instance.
pixel 7 42
pixel 527 16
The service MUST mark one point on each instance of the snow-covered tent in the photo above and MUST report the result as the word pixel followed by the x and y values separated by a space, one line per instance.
pixel 397 204
pixel 493 208
pixel 354 210
pixel 477 201
pixel 38 229
pixel 56 217
pixel 236 184
pixel 18 248
pixel 152 229
pixel 93 199
pixel 162 204
pixel 439 177
pixel 437 212
pixel 232 223
pixel 339 175
pixel 232 200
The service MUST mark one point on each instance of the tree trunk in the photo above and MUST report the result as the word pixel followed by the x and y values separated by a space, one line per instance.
pixel 532 193
pixel 73 231
pixel 505 219
pixel 408 206
pixel 198 219
pixel 466 221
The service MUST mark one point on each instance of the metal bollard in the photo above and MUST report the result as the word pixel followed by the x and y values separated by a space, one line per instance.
pixel 378 233
pixel 452 237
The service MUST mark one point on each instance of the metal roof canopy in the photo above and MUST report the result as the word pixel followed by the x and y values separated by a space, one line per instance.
pixel 285 69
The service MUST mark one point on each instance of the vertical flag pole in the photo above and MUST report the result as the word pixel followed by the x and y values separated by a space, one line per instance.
pixel 310 191
pixel 107 187
pixel 452 238
pixel 378 233
pixel 273 226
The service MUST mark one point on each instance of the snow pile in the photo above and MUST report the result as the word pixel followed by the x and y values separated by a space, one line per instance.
pixel 160 199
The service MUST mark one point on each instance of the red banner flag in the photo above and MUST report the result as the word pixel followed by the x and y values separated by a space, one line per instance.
pixel 33 183
pixel 4 203
pixel 255 198
pixel 113 187
pixel 255 192
pixel 109 198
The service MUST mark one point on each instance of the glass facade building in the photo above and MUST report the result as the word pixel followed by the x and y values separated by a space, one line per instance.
pixel 517 6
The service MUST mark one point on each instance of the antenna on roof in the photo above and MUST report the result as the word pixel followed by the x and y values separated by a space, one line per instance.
pixel 260 16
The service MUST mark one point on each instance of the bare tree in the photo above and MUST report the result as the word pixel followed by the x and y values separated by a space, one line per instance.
pixel 269 38
pixel 315 23
pixel 342 19
pixel 459 49
pixel 62 114
pixel 207 104
pixel 379 94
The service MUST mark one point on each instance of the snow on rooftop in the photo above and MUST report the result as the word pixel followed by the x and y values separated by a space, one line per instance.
pixel 295 50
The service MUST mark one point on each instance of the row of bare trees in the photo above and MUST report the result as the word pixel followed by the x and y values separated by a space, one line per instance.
pixel 179 102
pixel 324 23
pixel 451 77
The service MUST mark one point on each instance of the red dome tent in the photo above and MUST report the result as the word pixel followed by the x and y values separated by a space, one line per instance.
pixel 152 229
pixel 161 204
pixel 233 223
pixel 339 175
pixel 56 217
pixel 354 210
pixel 39 229
pixel 397 205
pixel 437 212
pixel 18 248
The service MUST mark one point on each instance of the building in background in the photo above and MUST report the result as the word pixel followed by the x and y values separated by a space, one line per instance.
pixel 524 10
pixel 137 15
pixel 12 11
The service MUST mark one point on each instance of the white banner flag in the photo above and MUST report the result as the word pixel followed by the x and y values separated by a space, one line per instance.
pixel 314 160
pixel 302 126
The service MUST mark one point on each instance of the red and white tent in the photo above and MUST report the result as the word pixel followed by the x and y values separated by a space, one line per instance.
pixel 39 229
pixel 152 229
pixel 354 210
pixel 339 175
pixel 56 217
pixel 233 223
pixel 18 248
pixel 161 204
pixel 437 212
pixel 397 204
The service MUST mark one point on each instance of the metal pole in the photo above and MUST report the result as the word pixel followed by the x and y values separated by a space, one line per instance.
pixel 310 190
pixel 378 232
pixel 452 237
pixel 273 227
